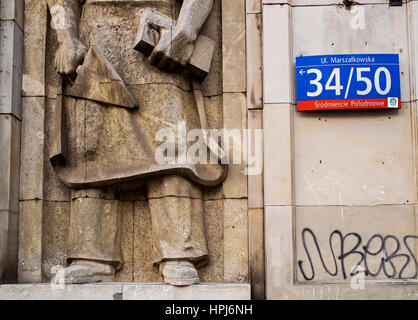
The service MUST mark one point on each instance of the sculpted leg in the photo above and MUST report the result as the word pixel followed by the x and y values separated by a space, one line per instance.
pixel 176 207
pixel 93 249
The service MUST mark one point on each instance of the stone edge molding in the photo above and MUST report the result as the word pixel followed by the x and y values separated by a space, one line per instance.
pixel 126 291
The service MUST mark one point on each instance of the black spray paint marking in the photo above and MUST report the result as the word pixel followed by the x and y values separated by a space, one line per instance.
pixel 387 264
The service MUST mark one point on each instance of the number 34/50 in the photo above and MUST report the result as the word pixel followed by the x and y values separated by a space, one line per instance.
pixel 334 82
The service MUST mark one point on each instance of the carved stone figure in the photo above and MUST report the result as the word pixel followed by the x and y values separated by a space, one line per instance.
pixel 114 101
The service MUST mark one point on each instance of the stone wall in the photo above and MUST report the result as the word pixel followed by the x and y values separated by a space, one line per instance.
pixel 339 173
pixel 45 203
pixel 325 174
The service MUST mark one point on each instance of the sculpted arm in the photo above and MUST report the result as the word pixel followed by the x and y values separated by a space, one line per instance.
pixel 65 19
pixel 176 45
pixel 193 15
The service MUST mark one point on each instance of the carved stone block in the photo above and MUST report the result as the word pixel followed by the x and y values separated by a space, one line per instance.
pixel 148 36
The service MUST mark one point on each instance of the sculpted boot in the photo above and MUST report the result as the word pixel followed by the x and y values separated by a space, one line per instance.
pixel 84 271
pixel 179 273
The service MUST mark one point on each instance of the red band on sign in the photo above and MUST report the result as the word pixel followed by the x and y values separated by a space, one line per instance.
pixel 349 104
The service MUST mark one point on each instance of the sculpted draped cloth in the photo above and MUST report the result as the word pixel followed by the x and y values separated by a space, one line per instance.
pixel 108 145
pixel 112 146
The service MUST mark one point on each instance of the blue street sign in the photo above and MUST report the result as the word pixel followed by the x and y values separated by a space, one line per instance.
pixel 335 82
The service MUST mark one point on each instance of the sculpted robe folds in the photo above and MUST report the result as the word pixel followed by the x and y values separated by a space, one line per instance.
pixel 108 145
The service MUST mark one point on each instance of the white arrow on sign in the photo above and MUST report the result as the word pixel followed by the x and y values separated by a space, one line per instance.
pixel 301 72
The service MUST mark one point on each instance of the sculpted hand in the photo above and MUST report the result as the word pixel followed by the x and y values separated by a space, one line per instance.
pixel 174 48
pixel 69 56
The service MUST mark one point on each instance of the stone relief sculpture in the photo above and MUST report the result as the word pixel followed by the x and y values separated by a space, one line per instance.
pixel 115 100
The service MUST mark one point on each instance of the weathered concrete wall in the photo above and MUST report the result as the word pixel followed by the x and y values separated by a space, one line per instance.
pixel 11 35
pixel 344 177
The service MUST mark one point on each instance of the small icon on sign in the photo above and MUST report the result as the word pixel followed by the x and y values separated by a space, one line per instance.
pixel 393 102
pixel 302 72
